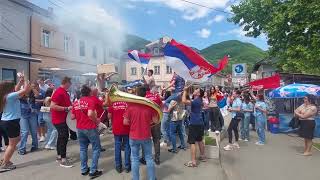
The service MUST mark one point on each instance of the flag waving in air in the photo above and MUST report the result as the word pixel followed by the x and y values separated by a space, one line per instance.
pixel 189 64
pixel 141 58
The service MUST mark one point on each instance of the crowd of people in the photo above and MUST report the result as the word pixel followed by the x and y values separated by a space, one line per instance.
pixel 41 110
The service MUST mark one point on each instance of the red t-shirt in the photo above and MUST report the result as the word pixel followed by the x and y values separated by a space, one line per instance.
pixel 155 97
pixel 140 117
pixel 98 104
pixel 81 113
pixel 61 98
pixel 117 109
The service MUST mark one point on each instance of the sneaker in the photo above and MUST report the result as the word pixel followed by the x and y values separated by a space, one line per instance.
pixel 236 145
pixel 157 161
pixel 33 149
pixel 143 161
pixel 47 147
pixel 228 147
pixel 182 147
pixel 66 164
pixel 246 140
pixel 119 170
pixel 42 139
pixel 102 150
pixel 240 139
pixel 128 170
pixel 172 151
pixel 58 159
pixel 22 153
pixel 86 173
pixel 163 144
pixel 95 174
pixel 8 167
pixel 259 143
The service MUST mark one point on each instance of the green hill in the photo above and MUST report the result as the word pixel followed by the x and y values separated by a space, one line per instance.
pixel 239 52
pixel 134 42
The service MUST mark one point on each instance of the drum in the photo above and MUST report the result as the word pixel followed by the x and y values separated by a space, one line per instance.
pixel 72 124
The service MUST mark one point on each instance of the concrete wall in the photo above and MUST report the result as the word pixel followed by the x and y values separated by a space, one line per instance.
pixel 14 27
pixel 18 65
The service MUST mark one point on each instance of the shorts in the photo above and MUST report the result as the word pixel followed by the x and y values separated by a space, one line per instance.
pixel 12 128
pixel 307 128
pixel 196 133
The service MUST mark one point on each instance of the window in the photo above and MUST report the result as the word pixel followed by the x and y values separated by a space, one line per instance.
pixel 116 68
pixel 9 75
pixel 169 70
pixel 133 71
pixel 66 43
pixel 45 38
pixel 156 70
pixel 144 71
pixel 82 48
pixel 156 51
pixel 94 52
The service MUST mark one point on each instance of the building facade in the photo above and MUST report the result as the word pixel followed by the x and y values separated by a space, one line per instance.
pixel 15 38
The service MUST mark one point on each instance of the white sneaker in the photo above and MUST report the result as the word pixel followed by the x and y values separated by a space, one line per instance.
pixel 228 147
pixel 246 140
pixel 49 147
pixel 236 145
pixel 42 139
pixel 240 139
pixel 259 143
pixel 163 144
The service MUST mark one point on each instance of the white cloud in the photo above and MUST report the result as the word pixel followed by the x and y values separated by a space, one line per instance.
pixel 172 22
pixel 238 33
pixel 217 18
pixel 190 11
pixel 203 33
pixel 130 6
pixel 150 12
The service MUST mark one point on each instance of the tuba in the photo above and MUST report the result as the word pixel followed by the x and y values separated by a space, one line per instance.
pixel 116 95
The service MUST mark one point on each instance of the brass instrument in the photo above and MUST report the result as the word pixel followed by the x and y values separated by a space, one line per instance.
pixel 116 95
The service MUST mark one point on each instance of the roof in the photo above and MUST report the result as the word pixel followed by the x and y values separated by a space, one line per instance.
pixel 18 56
pixel 266 61
pixel 32 6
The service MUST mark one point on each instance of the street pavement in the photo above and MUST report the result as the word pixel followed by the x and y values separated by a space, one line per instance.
pixel 279 159
pixel 42 166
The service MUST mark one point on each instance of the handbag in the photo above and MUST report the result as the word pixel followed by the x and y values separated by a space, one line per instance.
pixel 294 123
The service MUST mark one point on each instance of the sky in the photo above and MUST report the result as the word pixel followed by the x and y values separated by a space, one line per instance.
pixel 187 23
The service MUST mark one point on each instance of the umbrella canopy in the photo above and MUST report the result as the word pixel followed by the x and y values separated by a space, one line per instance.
pixel 134 83
pixel 89 74
pixel 295 91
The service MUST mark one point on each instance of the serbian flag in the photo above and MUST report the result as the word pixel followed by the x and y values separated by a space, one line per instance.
pixel 189 64
pixel 141 58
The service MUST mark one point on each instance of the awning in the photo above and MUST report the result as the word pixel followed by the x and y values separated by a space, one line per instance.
pixel 266 83
pixel 17 56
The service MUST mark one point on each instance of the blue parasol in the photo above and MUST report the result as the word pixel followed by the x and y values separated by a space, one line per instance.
pixel 295 91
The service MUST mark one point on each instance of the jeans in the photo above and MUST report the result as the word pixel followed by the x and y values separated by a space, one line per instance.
pixel 63 137
pixel 173 96
pixel 118 140
pixel 28 123
pixel 41 121
pixel 205 116
pixel 52 133
pixel 260 126
pixel 156 136
pixel 165 128
pixel 135 158
pixel 86 137
pixel 176 128
pixel 233 126
pixel 244 128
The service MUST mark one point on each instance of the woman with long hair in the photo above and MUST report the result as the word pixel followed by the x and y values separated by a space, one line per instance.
pixel 11 114
pixel 52 133
pixel 261 118
pixel 306 114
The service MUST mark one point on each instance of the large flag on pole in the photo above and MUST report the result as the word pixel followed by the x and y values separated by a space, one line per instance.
pixel 189 64
pixel 141 58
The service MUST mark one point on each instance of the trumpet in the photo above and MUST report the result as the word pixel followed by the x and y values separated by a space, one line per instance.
pixel 116 95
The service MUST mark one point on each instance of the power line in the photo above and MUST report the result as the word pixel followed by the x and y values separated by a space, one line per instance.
pixel 201 5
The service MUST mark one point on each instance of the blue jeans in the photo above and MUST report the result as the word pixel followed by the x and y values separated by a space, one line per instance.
pixel 135 158
pixel 260 126
pixel 205 116
pixel 176 128
pixel 87 136
pixel 174 96
pixel 244 128
pixel 41 121
pixel 28 123
pixel 165 128
pixel 118 140
pixel 52 133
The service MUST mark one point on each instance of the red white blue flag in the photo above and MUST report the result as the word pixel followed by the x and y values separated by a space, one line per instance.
pixel 189 64
pixel 141 58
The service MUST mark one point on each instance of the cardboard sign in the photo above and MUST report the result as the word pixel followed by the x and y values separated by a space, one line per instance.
pixel 106 68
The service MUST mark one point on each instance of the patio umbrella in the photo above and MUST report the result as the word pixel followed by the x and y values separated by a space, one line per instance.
pixel 295 91
pixel 89 74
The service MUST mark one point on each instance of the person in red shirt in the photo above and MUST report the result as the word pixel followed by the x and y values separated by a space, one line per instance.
pixel 84 111
pixel 139 118
pixel 60 106
pixel 154 96
pixel 121 135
